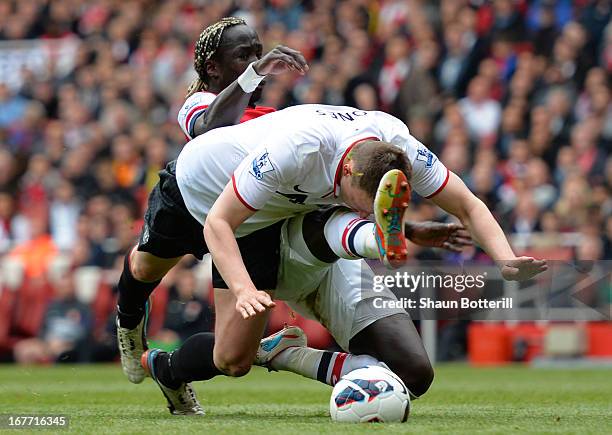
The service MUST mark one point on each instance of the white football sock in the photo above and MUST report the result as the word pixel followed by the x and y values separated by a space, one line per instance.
pixel 323 366
pixel 351 237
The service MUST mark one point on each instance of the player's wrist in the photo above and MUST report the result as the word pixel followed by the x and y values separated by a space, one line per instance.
pixel 242 289
pixel 250 79
pixel 507 259
pixel 257 67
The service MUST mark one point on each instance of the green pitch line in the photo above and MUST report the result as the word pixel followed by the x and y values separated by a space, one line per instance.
pixel 463 399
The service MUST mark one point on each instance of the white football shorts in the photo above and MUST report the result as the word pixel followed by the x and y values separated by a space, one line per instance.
pixel 337 295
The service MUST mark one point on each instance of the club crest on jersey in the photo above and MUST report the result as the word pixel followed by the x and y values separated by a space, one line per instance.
pixel 261 165
pixel 424 155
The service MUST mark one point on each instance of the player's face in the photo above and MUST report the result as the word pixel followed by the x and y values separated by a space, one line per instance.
pixel 240 46
pixel 356 198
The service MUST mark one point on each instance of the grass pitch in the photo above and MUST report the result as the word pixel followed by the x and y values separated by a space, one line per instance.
pixel 98 399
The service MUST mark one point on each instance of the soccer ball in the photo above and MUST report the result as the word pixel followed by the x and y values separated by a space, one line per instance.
pixel 370 394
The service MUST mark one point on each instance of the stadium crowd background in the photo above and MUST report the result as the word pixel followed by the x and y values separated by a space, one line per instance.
pixel 512 95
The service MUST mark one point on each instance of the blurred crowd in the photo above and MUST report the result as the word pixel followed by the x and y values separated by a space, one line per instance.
pixel 513 96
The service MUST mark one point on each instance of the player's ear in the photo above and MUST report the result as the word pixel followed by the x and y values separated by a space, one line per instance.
pixel 347 169
pixel 212 70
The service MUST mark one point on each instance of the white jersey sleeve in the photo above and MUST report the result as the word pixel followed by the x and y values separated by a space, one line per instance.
pixel 429 175
pixel 192 109
pixel 263 171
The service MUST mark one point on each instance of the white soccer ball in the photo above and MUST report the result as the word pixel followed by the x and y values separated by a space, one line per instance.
pixel 370 394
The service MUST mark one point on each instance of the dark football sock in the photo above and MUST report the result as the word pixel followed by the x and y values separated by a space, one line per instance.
pixel 193 361
pixel 163 371
pixel 133 296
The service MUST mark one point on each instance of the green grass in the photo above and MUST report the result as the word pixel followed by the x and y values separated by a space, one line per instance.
pixel 462 400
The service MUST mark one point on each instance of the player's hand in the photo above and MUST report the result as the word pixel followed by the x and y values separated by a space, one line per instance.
pixel 251 302
pixel 522 268
pixel 279 60
pixel 453 237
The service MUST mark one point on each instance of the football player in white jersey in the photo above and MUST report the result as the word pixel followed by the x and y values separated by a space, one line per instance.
pixel 332 155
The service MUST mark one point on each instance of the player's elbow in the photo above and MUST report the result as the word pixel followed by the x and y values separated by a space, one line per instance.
pixel 212 119
pixel 212 226
pixel 201 126
pixel 207 122
pixel 208 227
pixel 471 206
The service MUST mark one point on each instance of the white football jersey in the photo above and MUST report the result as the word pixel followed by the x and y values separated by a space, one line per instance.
pixel 290 161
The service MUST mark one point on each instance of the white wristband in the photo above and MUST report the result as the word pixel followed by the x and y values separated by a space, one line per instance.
pixel 249 79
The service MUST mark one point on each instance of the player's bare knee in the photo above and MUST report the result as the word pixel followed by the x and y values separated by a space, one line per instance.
pixel 238 370
pixel 426 376
pixel 142 271
pixel 233 365
pixel 414 370
pixel 233 369
pixel 418 375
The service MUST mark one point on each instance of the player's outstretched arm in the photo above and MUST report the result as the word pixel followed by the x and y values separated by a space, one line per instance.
pixel 229 106
pixel 225 216
pixel 458 200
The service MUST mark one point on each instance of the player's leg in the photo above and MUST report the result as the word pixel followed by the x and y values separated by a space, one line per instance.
pixel 306 263
pixel 229 351
pixel 333 304
pixel 346 235
pixel 395 341
pixel 321 365
pixel 141 273
pixel 345 305
pixel 338 232
pixel 362 323
pixel 392 339
pixel 169 232
pixel 236 339
pixel 232 348
pixel 342 303
pixel 318 239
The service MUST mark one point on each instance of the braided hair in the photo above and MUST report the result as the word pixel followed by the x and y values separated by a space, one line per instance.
pixel 205 48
